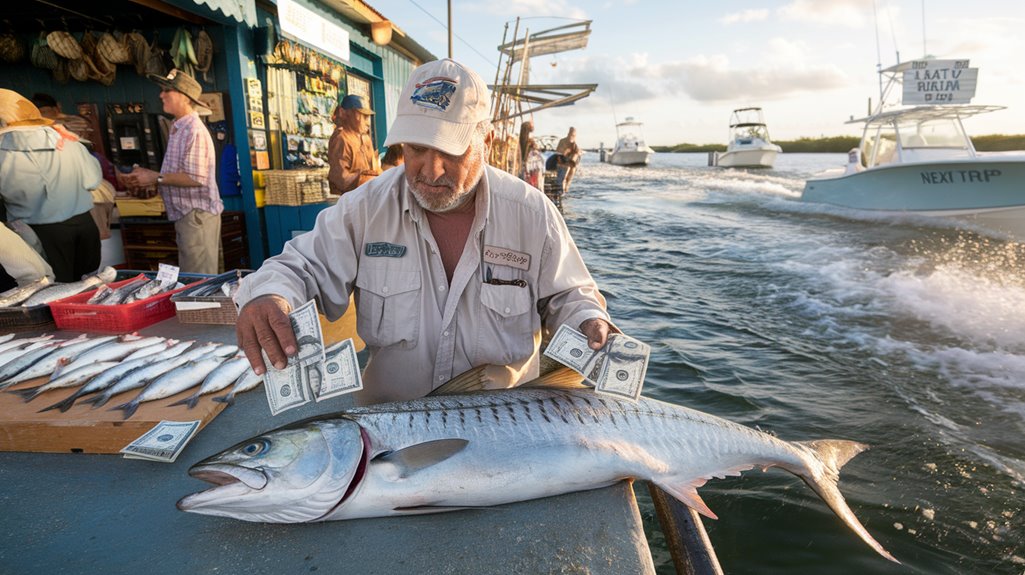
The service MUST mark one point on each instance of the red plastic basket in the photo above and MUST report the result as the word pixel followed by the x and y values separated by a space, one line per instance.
pixel 73 313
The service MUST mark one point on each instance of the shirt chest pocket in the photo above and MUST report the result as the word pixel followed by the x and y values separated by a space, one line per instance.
pixel 388 307
pixel 508 314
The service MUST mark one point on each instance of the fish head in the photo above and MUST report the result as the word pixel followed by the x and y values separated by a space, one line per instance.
pixel 295 474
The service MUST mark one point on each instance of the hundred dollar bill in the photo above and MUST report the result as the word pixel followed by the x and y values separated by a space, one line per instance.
pixel 569 347
pixel 285 388
pixel 626 362
pixel 297 383
pixel 341 371
pixel 163 443
pixel 617 368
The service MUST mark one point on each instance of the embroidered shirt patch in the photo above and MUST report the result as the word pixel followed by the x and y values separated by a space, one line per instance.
pixel 384 250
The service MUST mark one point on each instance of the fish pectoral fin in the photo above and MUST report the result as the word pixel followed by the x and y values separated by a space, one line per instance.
pixel 688 495
pixel 411 459
pixel 559 378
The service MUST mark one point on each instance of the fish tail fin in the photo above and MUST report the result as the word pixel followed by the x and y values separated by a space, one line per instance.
pixel 62 405
pixel 228 398
pixel 129 408
pixel 191 401
pixel 688 495
pixel 98 401
pixel 28 394
pixel 832 454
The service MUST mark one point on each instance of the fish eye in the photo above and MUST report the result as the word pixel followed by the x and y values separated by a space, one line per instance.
pixel 255 447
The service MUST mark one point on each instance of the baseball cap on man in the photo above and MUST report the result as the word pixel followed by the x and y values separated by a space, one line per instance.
pixel 354 102
pixel 440 107
pixel 180 82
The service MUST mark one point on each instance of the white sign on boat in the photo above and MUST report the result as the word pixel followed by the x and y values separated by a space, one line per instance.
pixel 939 82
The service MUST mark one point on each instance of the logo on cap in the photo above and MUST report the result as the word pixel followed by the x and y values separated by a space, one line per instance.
pixel 435 93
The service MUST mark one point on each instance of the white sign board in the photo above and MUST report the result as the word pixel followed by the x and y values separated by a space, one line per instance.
pixel 305 25
pixel 939 82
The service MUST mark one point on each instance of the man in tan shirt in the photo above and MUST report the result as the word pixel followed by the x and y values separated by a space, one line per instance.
pixel 352 159
pixel 453 264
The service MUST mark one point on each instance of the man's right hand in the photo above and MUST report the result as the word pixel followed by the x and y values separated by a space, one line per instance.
pixel 263 325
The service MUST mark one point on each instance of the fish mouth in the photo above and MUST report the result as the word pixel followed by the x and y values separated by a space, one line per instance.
pixel 220 474
pixel 230 482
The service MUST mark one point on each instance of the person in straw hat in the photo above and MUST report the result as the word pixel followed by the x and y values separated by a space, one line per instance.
pixel 454 264
pixel 45 178
pixel 187 180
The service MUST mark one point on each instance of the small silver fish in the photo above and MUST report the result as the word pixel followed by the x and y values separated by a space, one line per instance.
pixel 60 291
pixel 245 382
pixel 70 379
pixel 221 377
pixel 173 382
pixel 15 296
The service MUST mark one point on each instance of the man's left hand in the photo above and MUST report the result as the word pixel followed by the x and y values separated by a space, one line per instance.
pixel 596 330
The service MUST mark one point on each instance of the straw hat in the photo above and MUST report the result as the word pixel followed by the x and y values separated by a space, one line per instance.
pixel 17 110
pixel 112 50
pixel 64 44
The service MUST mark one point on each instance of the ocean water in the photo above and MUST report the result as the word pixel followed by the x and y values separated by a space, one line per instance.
pixel 813 322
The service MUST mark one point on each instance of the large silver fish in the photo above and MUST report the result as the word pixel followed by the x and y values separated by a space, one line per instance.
pixel 443 453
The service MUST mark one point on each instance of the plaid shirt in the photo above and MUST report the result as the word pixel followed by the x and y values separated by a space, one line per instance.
pixel 190 150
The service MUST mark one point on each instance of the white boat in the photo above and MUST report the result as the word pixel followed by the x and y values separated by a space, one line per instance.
pixel 749 145
pixel 919 160
pixel 630 149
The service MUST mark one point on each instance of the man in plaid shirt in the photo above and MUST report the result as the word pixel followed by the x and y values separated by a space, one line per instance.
pixel 187 180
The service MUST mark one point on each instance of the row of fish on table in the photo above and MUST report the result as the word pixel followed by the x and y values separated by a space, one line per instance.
pixel 43 291
pixel 103 367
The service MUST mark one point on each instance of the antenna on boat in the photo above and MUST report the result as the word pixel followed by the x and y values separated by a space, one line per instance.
pixel 924 50
pixel 879 50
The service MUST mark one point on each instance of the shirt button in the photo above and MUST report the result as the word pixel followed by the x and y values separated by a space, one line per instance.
pixel 445 333
pixel 441 378
pixel 507 310
pixel 384 289
pixel 441 288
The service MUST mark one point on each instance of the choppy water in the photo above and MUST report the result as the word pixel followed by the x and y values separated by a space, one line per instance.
pixel 814 322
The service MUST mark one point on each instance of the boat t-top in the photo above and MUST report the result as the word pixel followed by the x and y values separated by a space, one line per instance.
pixel 916 158
pixel 749 145
pixel 630 149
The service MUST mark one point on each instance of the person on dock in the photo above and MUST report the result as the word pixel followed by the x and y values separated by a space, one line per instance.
pixel 352 160
pixel 454 264
pixel 187 180
pixel 571 153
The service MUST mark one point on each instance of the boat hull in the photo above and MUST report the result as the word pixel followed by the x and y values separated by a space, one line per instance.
pixel 754 158
pixel 985 192
pixel 630 158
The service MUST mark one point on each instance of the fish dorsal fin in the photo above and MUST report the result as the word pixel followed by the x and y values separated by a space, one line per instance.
pixel 559 378
pixel 411 459
pixel 484 377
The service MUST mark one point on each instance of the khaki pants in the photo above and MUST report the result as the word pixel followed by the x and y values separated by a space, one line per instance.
pixel 199 242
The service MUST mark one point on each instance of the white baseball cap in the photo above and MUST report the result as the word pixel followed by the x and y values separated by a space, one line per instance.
pixel 440 107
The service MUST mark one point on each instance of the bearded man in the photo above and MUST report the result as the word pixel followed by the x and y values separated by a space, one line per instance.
pixel 453 264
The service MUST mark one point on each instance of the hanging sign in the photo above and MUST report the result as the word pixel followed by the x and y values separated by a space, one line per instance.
pixel 939 82
pixel 306 26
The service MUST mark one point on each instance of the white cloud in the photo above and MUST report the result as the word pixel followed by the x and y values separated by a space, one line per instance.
pixel 511 9
pixel 849 13
pixel 713 78
pixel 745 16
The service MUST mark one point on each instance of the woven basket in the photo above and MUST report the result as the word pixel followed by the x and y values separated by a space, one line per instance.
pixel 295 187
pixel 11 49
pixel 42 55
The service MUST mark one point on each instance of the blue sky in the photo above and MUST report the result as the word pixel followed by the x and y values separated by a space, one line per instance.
pixel 681 66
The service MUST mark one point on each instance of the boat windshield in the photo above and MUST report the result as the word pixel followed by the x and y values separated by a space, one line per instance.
pixel 932 133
